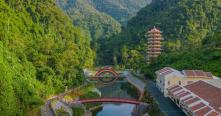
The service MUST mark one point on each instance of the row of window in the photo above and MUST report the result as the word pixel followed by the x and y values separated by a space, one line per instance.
pixel 181 105
pixel 189 82
pixel 169 82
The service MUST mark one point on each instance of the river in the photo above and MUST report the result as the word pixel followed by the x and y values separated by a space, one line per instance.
pixel 114 109
pixel 110 109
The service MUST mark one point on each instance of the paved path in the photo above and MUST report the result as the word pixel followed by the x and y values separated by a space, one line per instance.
pixel 165 104
pixel 46 110
pixel 139 84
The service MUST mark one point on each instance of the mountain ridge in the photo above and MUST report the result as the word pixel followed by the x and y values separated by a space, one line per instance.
pixel 189 27
pixel 42 53
pixel 121 10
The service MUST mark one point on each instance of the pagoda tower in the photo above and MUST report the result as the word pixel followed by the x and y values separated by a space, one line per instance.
pixel 154 44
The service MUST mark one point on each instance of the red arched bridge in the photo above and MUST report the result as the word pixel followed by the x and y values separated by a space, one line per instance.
pixel 107 75
pixel 115 100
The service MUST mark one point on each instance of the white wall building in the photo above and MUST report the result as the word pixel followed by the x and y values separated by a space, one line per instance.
pixel 168 77
pixel 201 98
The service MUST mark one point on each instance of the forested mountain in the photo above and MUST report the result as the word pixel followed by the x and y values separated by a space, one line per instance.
pixel 41 53
pixel 191 29
pixel 43 50
pixel 121 10
pixel 100 26
pixel 101 17
pixel 84 15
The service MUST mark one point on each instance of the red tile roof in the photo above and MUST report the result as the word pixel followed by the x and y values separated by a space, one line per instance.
pixel 165 71
pixel 191 101
pixel 171 88
pixel 183 94
pixel 208 100
pixel 176 89
pixel 180 92
pixel 207 92
pixel 198 106
pixel 189 72
pixel 213 113
pixel 188 98
pixel 197 74
pixel 203 111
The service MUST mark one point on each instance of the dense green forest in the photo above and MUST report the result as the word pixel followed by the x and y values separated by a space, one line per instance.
pixel 192 37
pixel 41 53
pixel 86 16
pixel 101 18
pixel 43 48
pixel 121 10
pixel 100 26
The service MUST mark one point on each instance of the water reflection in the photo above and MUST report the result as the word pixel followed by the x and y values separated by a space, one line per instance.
pixel 113 109
pixel 110 109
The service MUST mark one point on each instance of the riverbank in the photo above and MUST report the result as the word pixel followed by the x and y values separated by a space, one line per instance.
pixel 148 97
pixel 165 104
pixel 95 108
pixel 128 90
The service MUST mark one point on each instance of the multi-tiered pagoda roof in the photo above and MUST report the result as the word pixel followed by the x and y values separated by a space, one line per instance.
pixel 154 43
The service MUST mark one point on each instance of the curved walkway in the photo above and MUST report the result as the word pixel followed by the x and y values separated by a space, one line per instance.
pixel 165 104
pixel 46 109
pixel 139 84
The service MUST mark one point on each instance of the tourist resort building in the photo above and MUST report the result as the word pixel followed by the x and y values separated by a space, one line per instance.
pixel 195 92
pixel 168 77
pixel 154 44
pixel 201 98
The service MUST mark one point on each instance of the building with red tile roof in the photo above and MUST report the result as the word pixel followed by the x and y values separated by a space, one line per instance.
pixel 197 74
pixel 168 77
pixel 200 98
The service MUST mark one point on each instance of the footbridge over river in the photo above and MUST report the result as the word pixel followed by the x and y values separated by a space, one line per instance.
pixel 127 77
pixel 101 100
pixel 106 100
pixel 137 83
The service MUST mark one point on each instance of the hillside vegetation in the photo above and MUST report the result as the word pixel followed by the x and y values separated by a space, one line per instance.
pixel 41 53
pixel 101 18
pixel 191 30
pixel 84 15
pixel 121 10
pixel 100 26
pixel 44 49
